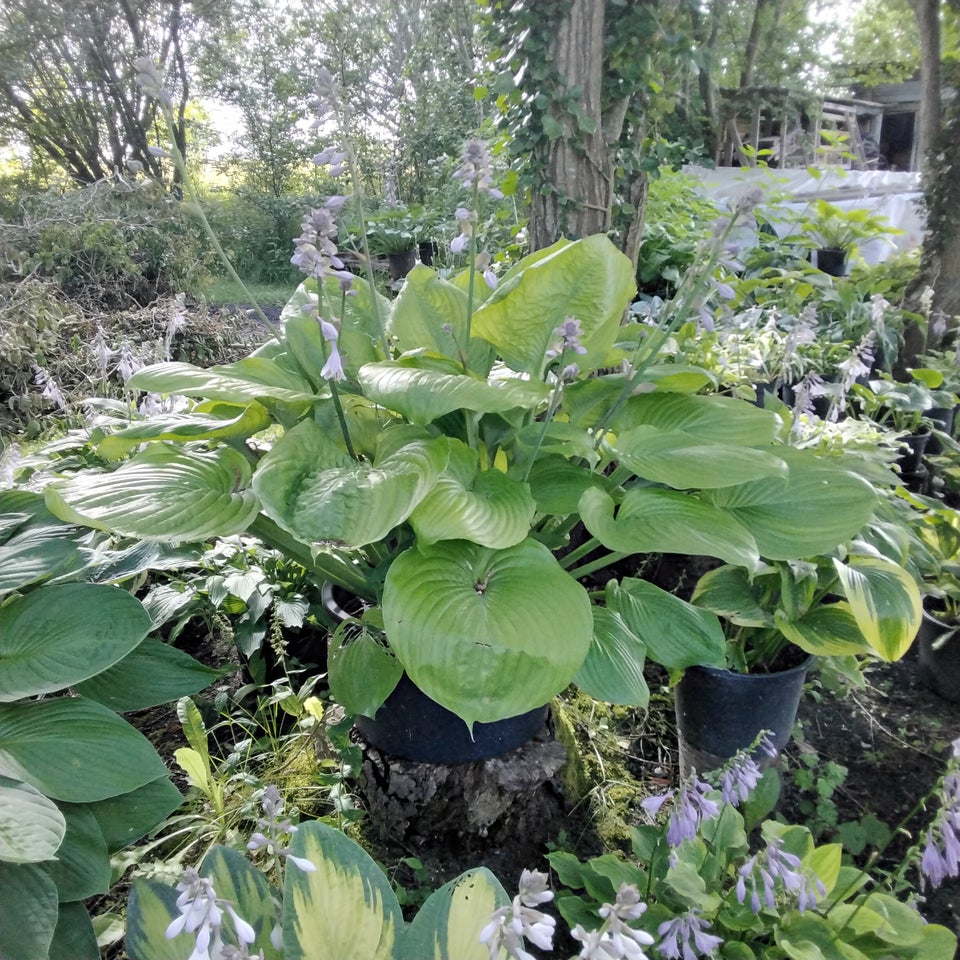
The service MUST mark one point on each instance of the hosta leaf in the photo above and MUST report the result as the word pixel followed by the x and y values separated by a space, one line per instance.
pixel 488 634
pixel 362 669
pixel 82 866
pixel 68 749
pixel 885 601
pixel 485 506
pixel 74 937
pixel 675 633
pixel 59 635
pixel 34 544
pixel 682 460
pixel 651 520
pixel 557 484
pixel 150 910
pixel 165 493
pixel 345 909
pixel 423 395
pixel 613 670
pixel 430 313
pixel 31 825
pixel 316 493
pixel 729 592
pixel 29 915
pixel 825 631
pixel 124 819
pixel 588 280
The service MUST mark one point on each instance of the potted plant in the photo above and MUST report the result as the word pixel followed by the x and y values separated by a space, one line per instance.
pixel 837 234
pixel 394 232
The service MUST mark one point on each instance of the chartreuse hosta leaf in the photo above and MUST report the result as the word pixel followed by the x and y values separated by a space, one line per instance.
pixel 422 395
pixel 448 925
pixel 484 506
pixel 488 634
pixel 675 633
pixel 61 634
pixel 429 313
pixel 31 825
pixel 165 493
pixel 345 909
pixel 682 460
pixel 652 520
pixel 214 421
pixel 589 280
pixel 613 670
pixel 316 492
pixel 884 600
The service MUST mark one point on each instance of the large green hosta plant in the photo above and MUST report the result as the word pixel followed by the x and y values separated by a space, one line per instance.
pixel 469 484
pixel 77 781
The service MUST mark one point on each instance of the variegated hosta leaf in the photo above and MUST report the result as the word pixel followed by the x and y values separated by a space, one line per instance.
pixel 165 493
pixel 651 520
pixel 885 601
pixel 62 634
pixel 150 910
pixel 316 492
pixel 588 280
pixel 714 419
pixel 488 634
pixel 729 593
pixel 346 908
pixel 484 506
pixel 825 631
pixel 681 460
pixel 250 379
pixel 219 421
pixel 422 395
pixel 675 633
pixel 31 825
pixel 613 670
pixel 449 924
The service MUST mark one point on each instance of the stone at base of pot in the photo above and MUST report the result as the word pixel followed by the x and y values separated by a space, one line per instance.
pixel 412 726
pixel 720 712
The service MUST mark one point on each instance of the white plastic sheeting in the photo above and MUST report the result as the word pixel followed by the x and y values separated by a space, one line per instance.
pixel 895 196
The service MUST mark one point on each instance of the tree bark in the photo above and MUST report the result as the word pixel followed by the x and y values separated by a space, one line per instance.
pixel 927 13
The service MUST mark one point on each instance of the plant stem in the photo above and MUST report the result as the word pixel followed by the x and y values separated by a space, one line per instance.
pixel 613 557
pixel 579 552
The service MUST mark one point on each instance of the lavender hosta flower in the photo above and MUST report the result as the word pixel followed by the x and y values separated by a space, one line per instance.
pixel 202 913
pixel 466 221
pixel 511 926
pixel 739 779
pixel 692 806
pixel 150 82
pixel 51 389
pixel 475 169
pixel 102 353
pixel 568 334
pixel 687 937
pixel 776 868
pixel 9 461
pixel 333 367
pixel 316 254
pixel 272 830
pixel 941 854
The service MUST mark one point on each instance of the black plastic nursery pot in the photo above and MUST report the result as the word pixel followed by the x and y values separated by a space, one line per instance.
pixel 911 460
pixel 938 650
pixel 401 263
pixel 720 712
pixel 833 262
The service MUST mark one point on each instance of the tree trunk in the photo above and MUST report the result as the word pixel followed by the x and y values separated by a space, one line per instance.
pixel 927 13
pixel 575 193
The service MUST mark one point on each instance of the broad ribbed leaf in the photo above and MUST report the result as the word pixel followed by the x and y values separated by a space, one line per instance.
pixel 589 280
pixel 651 520
pixel 729 593
pixel 363 671
pixel 714 419
pixel 557 484
pixel 29 914
pixel 165 493
pixel 59 635
pixel 488 634
pixel 345 909
pixel 251 379
pixel 126 818
pixel 36 553
pixel 69 748
pixel 681 460
pixel 885 601
pixel 31 825
pixel 82 867
pixel 613 670
pixel 151 674
pixel 74 937
pixel 317 493
pixel 223 422
pixel 484 506
pixel 423 395
pixel 676 634
pixel 448 925
pixel 429 313
pixel 825 631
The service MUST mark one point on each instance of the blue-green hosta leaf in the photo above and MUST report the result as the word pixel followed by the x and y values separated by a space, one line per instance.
pixel 613 670
pixel 126 818
pixel 31 825
pixel 885 601
pixel 675 633
pixel 69 748
pixel 29 915
pixel 557 484
pixel 829 630
pixel 651 520
pixel 422 395
pixel 448 925
pixel 317 493
pixel 152 673
pixel 222 422
pixel 589 280
pixel 253 378
pixel 345 909
pixel 165 493
pixel 714 419
pixel 682 460
pixel 483 506
pixel 59 635
pixel 82 866
pixel 730 593
pixel 36 553
pixel 488 634
pixel 150 910
pixel 74 937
